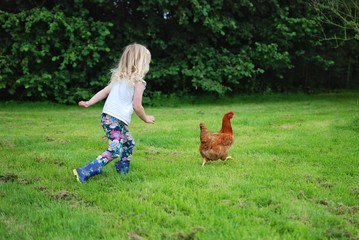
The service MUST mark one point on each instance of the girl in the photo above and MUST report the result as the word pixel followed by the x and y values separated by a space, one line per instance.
pixel 124 95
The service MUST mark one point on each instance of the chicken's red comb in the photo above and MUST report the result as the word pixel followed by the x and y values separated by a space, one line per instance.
pixel 230 114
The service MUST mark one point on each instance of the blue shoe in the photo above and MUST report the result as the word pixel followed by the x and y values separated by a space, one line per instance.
pixel 80 177
pixel 122 166
pixel 84 173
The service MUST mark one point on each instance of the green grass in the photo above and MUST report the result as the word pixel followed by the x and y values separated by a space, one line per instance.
pixel 295 173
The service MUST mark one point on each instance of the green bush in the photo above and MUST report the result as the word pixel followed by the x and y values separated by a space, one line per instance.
pixel 47 54
pixel 63 51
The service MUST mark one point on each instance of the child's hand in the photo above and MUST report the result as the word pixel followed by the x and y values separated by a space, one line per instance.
pixel 84 104
pixel 150 119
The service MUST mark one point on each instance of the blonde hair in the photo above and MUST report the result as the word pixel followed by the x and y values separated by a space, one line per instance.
pixel 133 65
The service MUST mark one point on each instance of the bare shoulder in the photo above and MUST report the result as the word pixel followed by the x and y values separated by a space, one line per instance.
pixel 141 84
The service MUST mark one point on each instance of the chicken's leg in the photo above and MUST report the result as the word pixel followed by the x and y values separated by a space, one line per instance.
pixel 204 161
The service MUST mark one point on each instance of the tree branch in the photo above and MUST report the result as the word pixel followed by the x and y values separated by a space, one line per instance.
pixel 340 14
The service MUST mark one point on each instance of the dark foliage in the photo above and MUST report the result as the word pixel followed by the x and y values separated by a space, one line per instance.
pixel 63 50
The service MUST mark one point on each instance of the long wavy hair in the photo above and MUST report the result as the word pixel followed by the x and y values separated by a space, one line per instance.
pixel 133 65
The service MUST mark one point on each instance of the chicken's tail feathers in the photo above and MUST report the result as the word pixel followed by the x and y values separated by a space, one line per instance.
pixel 203 127
pixel 204 133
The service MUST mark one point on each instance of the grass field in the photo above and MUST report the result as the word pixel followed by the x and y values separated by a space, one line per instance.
pixel 295 173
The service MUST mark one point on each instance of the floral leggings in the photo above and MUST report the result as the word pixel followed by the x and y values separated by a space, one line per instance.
pixel 120 143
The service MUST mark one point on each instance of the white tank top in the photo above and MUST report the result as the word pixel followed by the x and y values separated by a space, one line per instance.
pixel 119 103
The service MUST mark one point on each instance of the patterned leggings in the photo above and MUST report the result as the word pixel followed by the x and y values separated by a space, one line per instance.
pixel 120 142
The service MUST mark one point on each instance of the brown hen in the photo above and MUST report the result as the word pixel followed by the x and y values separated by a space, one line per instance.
pixel 215 146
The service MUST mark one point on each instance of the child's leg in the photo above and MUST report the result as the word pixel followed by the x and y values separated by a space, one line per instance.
pixel 114 132
pixel 123 165
pixel 118 138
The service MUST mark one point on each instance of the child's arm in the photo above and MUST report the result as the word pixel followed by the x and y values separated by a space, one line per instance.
pixel 137 104
pixel 100 95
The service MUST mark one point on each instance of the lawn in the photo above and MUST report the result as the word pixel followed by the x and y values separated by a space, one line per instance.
pixel 295 173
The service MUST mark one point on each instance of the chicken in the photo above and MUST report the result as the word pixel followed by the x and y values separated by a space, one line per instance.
pixel 215 146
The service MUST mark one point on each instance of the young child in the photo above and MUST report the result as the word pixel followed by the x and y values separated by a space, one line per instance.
pixel 124 95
